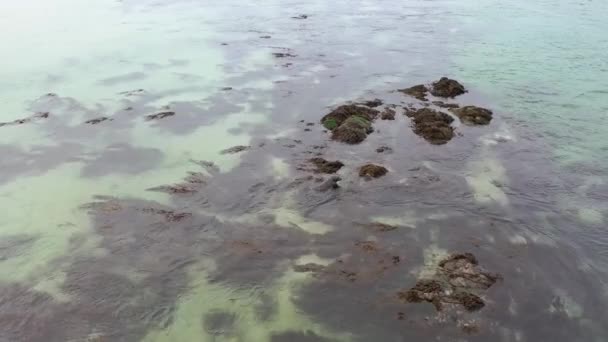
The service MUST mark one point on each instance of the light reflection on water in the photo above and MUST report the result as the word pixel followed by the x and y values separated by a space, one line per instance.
pixel 527 194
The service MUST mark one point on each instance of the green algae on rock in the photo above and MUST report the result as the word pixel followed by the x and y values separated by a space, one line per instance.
pixel 337 116
pixel 353 131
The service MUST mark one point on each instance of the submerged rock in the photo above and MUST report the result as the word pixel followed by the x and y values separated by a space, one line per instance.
pixel 372 171
pixel 283 54
pixel 383 149
pixel 425 290
pixel 373 103
pixel 159 116
pixel 235 149
pixel 310 267
pixel 418 91
pixel 433 126
pixel 456 278
pixel 330 184
pixel 463 272
pixel 446 87
pixel 97 120
pixel 325 166
pixel 446 105
pixel 388 114
pixel 472 115
pixel 470 301
pixel 380 227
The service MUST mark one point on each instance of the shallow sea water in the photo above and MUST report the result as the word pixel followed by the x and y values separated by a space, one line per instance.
pixel 93 248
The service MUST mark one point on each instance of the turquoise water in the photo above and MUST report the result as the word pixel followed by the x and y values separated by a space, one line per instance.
pixel 545 62
pixel 527 194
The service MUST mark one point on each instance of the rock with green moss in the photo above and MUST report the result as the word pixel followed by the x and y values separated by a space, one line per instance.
pixel 337 116
pixel 353 131
pixel 330 124
pixel 350 123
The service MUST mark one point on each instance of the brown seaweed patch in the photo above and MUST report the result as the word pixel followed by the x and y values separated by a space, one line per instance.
pixel 473 116
pixel 283 54
pixel 372 171
pixel 159 116
pixel 133 92
pixel 175 189
pixel 325 166
pixel 103 205
pixel 468 300
pixel 367 246
pixel 208 166
pixel 299 336
pixel 169 215
pixel 380 227
pixel 98 120
pixel 433 126
pixel 35 117
pixel 447 87
pixel 309 268
pixel 235 149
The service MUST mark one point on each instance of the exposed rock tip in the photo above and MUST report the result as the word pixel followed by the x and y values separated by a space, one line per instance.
pixel 473 116
pixel 372 171
pixel 447 87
